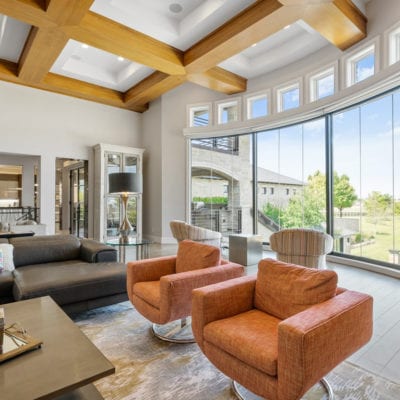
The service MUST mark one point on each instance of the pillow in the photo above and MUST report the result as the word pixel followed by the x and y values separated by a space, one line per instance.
pixel 283 290
pixel 193 255
pixel 6 257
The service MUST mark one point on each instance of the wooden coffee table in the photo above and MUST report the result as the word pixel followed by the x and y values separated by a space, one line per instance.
pixel 65 365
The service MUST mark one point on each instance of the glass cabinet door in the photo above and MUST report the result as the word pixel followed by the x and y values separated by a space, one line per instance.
pixel 130 163
pixel 118 162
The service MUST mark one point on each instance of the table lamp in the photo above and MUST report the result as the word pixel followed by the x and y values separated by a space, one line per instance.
pixel 124 184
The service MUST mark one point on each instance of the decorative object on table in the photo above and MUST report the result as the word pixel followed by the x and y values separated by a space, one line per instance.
pixel 124 184
pixel 14 340
pixel 285 330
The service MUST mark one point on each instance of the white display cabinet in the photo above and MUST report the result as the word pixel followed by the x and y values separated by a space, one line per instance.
pixel 107 207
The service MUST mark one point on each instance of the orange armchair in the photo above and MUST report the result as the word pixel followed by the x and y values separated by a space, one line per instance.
pixel 161 288
pixel 281 332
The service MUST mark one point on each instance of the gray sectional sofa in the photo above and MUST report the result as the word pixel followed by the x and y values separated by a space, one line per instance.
pixel 79 274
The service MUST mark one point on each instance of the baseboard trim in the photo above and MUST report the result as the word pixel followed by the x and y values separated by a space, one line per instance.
pixel 364 265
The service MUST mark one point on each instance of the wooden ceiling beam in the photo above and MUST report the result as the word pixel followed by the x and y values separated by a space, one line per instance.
pixel 67 12
pixel 40 52
pixel 32 12
pixel 55 21
pixel 338 21
pixel 220 80
pixel 252 25
pixel 87 91
pixel 152 87
pixel 69 87
pixel 44 45
pixel 105 34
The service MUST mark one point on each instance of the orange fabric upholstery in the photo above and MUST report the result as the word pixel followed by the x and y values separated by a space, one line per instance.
pixel 191 257
pixel 280 359
pixel 305 247
pixel 161 294
pixel 283 290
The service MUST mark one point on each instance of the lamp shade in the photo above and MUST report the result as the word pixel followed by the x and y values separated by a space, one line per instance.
pixel 124 182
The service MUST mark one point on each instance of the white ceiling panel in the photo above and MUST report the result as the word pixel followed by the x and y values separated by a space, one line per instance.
pixel 13 36
pixel 284 47
pixel 182 29
pixel 92 65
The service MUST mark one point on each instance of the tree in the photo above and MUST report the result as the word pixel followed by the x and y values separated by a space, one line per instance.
pixel 303 211
pixel 272 212
pixel 378 205
pixel 344 195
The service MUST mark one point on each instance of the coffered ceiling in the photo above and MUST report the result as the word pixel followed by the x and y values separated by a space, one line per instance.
pixel 127 53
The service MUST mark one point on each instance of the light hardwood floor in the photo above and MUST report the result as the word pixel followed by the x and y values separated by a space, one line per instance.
pixel 382 354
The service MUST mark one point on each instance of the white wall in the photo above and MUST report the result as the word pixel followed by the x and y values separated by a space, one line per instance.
pixel 152 172
pixel 49 125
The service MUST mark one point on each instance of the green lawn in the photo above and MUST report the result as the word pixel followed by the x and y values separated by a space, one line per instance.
pixel 383 233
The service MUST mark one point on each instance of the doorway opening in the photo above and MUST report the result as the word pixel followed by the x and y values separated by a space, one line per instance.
pixel 71 205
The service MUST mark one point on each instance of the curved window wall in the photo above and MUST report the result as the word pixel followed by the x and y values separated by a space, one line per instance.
pixel 356 150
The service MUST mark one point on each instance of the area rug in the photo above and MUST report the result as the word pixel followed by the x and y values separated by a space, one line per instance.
pixel 149 369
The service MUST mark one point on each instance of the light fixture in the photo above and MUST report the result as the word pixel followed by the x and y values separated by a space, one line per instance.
pixel 254 45
pixel 286 27
pixel 84 46
pixel 175 8
pixel 124 184
pixel 121 58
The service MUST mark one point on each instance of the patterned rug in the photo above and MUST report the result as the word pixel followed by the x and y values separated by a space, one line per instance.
pixel 149 369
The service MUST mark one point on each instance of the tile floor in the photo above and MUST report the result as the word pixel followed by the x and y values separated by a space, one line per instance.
pixel 382 354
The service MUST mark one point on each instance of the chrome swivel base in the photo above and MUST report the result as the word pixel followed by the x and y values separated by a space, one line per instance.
pixel 244 394
pixel 179 331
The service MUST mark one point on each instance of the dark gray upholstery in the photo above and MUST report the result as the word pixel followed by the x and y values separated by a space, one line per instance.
pixel 6 287
pixel 94 252
pixel 69 281
pixel 43 249
pixel 79 274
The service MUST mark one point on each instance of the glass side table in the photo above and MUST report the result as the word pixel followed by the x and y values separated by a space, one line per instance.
pixel 141 245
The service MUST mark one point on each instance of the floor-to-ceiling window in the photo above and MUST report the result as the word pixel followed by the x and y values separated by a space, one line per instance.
pixel 291 179
pixel 221 184
pixel 365 186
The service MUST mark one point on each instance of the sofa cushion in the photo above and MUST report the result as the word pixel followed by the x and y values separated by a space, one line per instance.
pixel 6 286
pixel 284 289
pixel 6 257
pixel 252 337
pixel 193 255
pixel 69 281
pixel 45 249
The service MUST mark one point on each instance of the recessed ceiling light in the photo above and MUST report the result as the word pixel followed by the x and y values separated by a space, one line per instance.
pixel 121 58
pixel 175 8
pixel 85 46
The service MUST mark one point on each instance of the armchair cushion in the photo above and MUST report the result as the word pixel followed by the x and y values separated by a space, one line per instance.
pixel 149 292
pixel 193 255
pixel 284 289
pixel 244 336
